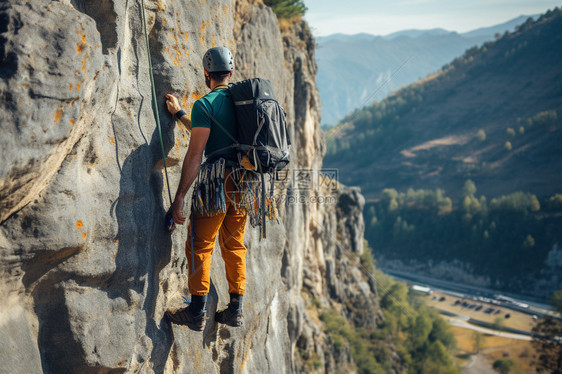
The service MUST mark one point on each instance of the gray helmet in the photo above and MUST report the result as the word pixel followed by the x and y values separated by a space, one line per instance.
pixel 218 59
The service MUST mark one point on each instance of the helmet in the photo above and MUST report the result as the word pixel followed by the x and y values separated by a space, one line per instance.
pixel 218 59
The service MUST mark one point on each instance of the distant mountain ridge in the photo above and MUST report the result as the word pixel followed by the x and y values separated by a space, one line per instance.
pixel 354 70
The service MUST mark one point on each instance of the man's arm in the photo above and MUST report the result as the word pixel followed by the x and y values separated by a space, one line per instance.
pixel 190 169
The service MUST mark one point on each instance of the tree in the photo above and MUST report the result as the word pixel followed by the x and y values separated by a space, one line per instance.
pixel 481 135
pixel 547 340
pixel 287 8
pixel 498 323
pixel 548 344
pixel 478 341
pixel 556 301
pixel 503 366
pixel 469 188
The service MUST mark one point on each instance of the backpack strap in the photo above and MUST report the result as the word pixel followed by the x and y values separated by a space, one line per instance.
pixel 244 102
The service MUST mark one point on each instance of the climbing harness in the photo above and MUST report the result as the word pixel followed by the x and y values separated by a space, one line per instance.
pixel 169 219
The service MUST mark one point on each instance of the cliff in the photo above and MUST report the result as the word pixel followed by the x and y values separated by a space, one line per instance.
pixel 86 269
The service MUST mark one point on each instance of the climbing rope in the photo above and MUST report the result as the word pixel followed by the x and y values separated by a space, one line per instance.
pixel 154 103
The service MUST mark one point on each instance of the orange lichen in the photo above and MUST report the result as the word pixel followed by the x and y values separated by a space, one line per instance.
pixel 176 49
pixel 112 140
pixel 84 235
pixel 116 243
pixel 203 27
pixel 77 86
pixel 225 11
pixel 70 86
pixel 164 21
pixel 84 38
pixel 202 39
pixel 186 36
pixel 58 115
pixel 84 64
pixel 71 122
pixel 79 47
pixel 196 96
pixel 79 224
pixel 184 101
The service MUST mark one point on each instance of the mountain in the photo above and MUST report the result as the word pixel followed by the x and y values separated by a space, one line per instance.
pixel 414 33
pixel 501 28
pixel 465 166
pixel 354 70
pixel 431 128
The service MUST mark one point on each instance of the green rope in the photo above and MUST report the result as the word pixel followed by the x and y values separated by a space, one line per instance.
pixel 154 103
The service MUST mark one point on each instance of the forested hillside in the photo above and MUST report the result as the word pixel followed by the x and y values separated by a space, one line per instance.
pixel 492 115
pixel 466 164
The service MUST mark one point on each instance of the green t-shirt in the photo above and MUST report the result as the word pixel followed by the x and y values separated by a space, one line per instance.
pixel 219 104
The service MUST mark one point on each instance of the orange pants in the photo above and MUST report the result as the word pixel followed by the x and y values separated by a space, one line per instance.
pixel 230 227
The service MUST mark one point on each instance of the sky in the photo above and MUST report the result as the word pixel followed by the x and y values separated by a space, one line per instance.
pixel 382 17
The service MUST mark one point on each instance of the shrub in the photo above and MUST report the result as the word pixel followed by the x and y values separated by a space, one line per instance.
pixel 287 8
pixel 503 366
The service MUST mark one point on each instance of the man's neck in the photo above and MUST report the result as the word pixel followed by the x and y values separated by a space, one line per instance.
pixel 215 84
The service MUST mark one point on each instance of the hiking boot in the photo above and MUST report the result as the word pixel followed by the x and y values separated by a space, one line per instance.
pixel 185 317
pixel 232 316
pixel 193 316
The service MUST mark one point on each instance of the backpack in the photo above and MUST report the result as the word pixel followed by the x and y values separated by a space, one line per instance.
pixel 261 125
pixel 262 136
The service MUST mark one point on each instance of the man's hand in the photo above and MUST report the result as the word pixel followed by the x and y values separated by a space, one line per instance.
pixel 173 104
pixel 178 217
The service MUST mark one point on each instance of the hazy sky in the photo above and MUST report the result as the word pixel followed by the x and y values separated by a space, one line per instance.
pixel 381 17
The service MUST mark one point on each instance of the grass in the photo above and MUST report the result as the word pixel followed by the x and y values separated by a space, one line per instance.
pixel 493 348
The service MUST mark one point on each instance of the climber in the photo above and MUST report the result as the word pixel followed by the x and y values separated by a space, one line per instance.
pixel 216 140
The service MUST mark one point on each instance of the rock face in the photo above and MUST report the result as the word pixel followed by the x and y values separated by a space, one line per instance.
pixel 87 270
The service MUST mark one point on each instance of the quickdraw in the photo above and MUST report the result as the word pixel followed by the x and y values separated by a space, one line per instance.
pixel 255 199
pixel 209 192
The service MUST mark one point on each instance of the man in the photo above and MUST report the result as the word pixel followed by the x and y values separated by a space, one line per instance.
pixel 213 128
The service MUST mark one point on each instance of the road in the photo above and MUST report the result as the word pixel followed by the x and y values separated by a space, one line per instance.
pixel 455 321
pixel 464 290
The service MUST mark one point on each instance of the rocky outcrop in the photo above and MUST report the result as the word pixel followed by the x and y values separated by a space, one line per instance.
pixel 87 270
